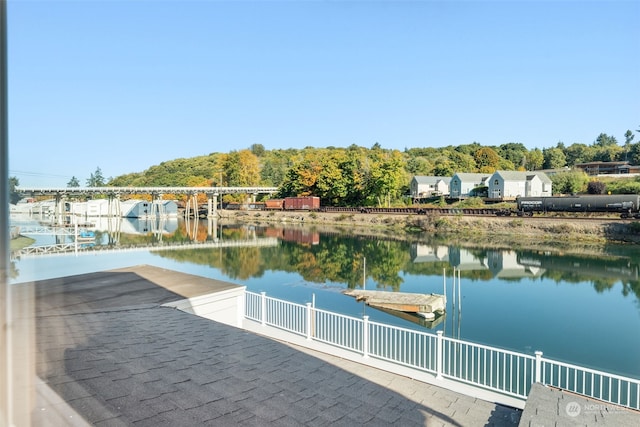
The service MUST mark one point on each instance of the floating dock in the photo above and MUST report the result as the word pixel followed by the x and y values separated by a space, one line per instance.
pixel 425 305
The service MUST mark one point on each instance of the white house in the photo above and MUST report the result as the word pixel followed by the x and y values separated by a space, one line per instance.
pixel 462 183
pixel 427 186
pixel 144 209
pixel 429 253
pixel 511 184
pixel 506 264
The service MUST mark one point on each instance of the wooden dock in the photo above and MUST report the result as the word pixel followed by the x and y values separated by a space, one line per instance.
pixel 400 301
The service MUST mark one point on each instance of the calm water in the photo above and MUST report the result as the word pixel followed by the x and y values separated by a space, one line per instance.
pixel 580 309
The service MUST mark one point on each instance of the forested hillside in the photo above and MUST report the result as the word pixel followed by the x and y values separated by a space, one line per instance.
pixel 368 176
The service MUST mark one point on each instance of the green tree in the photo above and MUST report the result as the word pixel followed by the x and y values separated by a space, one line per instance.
pixel 96 179
pixel 386 177
pixel 578 153
pixel 462 162
pixel 419 166
pixel 356 169
pixel 608 153
pixel 470 149
pixel 274 166
pixel 514 152
pixel 628 138
pixel 444 167
pixel 534 160
pixel 570 182
pixel 331 185
pixel 257 149
pixel 14 196
pixel 634 154
pixel 604 140
pixel 554 158
pixel 73 182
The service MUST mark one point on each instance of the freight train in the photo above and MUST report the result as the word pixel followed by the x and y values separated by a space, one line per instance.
pixel 627 205
pixel 307 203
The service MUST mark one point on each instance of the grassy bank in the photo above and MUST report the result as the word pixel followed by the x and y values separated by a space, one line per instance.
pixel 20 242
pixel 536 230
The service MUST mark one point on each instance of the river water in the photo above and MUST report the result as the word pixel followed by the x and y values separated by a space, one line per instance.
pixel 582 309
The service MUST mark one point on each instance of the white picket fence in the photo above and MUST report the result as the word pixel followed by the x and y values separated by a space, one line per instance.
pixel 503 371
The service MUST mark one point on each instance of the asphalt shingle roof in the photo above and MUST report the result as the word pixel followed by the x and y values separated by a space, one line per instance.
pixel 118 358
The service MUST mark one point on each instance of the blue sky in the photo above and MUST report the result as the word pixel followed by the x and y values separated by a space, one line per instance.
pixel 124 85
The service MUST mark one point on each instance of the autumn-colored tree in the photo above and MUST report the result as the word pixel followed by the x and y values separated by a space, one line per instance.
pixel 303 175
pixel 331 184
pixel 487 160
pixel 241 169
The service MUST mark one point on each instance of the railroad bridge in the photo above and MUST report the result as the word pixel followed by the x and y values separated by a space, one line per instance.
pixel 115 193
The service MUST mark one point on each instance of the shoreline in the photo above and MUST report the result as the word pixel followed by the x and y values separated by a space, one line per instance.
pixel 509 231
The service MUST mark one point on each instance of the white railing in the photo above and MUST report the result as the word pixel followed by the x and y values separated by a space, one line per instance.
pixel 600 385
pixel 336 329
pixel 507 372
pixel 403 346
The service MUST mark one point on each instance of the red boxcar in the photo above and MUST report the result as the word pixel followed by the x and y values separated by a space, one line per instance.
pixel 274 204
pixel 309 203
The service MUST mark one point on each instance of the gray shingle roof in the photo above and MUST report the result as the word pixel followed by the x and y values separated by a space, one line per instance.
pixel 114 355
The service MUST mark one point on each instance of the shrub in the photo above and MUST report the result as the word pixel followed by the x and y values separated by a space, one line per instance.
pixel 343 217
pixel 596 187
pixel 471 202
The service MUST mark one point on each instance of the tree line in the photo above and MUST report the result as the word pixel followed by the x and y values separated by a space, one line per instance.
pixel 362 176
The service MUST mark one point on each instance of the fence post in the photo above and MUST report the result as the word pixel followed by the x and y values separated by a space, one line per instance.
pixel 538 375
pixel 365 336
pixel 263 308
pixel 241 301
pixel 439 355
pixel 309 321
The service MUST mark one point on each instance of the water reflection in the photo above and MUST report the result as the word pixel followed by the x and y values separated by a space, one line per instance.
pixel 329 256
pixel 523 300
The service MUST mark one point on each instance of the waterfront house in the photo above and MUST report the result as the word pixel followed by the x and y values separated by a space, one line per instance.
pixel 511 184
pixel 428 186
pixel 608 168
pixel 462 184
pixel 144 209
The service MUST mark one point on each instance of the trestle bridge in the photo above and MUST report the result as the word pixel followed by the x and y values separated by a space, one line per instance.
pixel 114 194
pixel 76 247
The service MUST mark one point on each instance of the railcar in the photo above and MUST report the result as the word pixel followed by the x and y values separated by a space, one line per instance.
pixel 306 203
pixel 627 205
pixel 274 204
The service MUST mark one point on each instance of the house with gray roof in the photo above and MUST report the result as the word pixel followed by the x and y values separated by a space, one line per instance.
pixel 511 184
pixel 463 183
pixel 427 186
